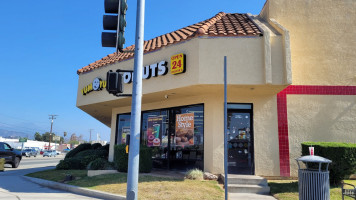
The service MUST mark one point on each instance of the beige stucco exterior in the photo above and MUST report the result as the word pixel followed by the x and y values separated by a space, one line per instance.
pixel 321 118
pixel 322 39
pixel 256 73
pixel 323 52
pixel 304 43
pixel 265 125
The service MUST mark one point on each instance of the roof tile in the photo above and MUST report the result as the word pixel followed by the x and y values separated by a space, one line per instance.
pixel 222 24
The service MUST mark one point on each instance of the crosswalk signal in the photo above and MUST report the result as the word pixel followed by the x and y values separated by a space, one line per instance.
pixel 116 23
pixel 114 82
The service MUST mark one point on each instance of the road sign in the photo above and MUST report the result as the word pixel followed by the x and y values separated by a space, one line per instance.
pixel 22 139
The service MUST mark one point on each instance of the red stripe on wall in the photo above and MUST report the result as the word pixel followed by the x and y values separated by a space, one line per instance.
pixel 283 119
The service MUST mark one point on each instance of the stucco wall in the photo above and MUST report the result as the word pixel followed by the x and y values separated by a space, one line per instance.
pixel 204 60
pixel 265 126
pixel 322 38
pixel 319 118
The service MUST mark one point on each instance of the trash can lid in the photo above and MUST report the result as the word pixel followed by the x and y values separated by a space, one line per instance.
pixel 316 159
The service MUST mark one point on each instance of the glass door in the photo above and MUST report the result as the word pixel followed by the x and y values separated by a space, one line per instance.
pixel 240 141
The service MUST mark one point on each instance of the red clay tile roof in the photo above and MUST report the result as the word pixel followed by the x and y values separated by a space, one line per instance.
pixel 222 24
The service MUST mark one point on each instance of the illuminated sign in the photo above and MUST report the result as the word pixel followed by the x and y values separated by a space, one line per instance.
pixel 178 64
pixel 96 85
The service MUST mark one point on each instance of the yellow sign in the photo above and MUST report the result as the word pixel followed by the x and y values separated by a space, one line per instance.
pixel 178 64
pixel 96 85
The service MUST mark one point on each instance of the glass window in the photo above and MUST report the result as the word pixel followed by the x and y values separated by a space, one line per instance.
pixel 176 135
pixel 154 134
pixel 187 140
pixel 123 128
pixel 7 147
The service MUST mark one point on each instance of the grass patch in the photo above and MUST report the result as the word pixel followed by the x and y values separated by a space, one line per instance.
pixel 58 175
pixel 288 190
pixel 149 187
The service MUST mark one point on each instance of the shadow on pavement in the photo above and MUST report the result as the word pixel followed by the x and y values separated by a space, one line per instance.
pixel 12 181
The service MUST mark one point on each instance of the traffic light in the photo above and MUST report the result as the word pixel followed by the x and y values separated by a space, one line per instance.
pixel 115 22
pixel 114 82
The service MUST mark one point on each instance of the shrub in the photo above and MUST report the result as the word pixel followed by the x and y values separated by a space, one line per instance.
pixel 100 164
pixel 342 155
pixel 90 155
pixel 195 174
pixel 96 146
pixel 121 158
pixel 70 163
pixel 105 147
pixel 78 149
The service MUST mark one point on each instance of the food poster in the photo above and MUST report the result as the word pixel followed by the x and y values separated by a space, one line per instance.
pixel 185 129
pixel 154 131
pixel 124 133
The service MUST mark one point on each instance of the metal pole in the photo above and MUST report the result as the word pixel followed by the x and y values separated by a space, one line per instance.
pixel 225 129
pixel 52 117
pixel 132 174
pixel 50 133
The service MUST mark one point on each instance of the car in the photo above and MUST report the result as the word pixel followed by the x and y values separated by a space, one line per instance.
pixel 66 150
pixel 50 153
pixel 11 155
pixel 29 152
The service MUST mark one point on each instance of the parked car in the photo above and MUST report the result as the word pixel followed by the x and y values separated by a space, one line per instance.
pixel 50 153
pixel 11 155
pixel 29 152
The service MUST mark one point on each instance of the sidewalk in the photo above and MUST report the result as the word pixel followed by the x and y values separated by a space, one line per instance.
pixel 247 196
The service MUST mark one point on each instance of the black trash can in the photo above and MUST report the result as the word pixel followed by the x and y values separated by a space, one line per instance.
pixel 314 181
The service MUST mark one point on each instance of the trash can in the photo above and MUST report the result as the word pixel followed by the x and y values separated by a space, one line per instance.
pixel 2 164
pixel 314 178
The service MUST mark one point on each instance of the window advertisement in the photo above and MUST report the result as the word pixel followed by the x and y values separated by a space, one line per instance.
pixel 184 129
pixel 154 131
pixel 125 132
pixel 123 128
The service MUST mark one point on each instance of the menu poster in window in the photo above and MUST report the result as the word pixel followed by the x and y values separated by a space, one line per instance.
pixel 124 133
pixel 154 131
pixel 185 129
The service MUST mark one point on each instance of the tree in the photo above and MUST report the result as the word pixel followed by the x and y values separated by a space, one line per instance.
pixel 45 136
pixel 61 141
pixel 38 136
pixel 80 139
pixel 73 137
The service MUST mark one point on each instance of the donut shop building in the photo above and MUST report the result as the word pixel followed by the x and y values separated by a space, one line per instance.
pixel 276 96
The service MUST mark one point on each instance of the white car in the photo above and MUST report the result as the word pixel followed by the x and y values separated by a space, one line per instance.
pixel 50 153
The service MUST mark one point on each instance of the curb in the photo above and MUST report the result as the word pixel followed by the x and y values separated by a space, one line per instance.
pixel 75 189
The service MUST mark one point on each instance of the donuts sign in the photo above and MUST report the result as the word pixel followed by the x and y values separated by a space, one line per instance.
pixel 184 129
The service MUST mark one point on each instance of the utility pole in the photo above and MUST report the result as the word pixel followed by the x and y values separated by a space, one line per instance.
pixel 51 117
pixel 90 135
pixel 134 154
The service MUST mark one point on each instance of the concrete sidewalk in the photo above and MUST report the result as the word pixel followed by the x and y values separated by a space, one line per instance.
pixel 75 189
pixel 248 196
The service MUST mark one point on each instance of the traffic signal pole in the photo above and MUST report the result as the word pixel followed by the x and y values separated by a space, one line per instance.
pixel 133 168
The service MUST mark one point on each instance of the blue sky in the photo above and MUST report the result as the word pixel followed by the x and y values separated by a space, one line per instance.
pixel 44 42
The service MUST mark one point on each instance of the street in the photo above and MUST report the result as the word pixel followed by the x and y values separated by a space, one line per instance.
pixel 14 187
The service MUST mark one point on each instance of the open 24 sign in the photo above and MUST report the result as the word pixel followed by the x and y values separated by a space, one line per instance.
pixel 178 64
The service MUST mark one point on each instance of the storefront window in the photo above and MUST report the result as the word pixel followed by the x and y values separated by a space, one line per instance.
pixel 187 140
pixel 176 136
pixel 154 134
pixel 123 128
